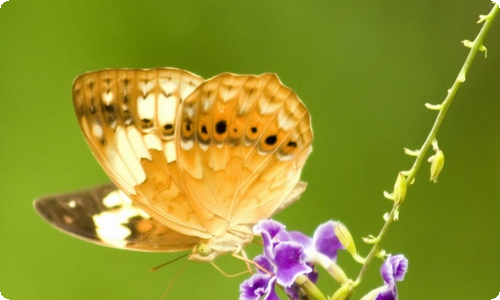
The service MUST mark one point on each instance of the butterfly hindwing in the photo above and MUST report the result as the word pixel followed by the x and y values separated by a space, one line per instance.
pixel 105 215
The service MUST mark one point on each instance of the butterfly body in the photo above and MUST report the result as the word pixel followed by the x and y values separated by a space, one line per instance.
pixel 193 161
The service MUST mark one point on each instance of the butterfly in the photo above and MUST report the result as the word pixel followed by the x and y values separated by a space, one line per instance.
pixel 194 163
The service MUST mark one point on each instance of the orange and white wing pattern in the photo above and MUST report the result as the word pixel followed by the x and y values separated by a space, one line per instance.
pixel 128 118
pixel 243 141
pixel 195 162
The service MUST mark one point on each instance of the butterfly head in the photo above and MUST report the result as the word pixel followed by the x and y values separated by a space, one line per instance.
pixel 230 242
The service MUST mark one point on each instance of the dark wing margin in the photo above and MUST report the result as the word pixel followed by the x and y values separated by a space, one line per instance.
pixel 106 216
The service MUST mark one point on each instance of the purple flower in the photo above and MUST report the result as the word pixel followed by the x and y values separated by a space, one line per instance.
pixel 257 286
pixel 393 269
pixel 283 259
pixel 286 256
pixel 324 242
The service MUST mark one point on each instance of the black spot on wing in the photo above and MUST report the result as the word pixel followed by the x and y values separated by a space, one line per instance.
pixel 271 140
pixel 221 127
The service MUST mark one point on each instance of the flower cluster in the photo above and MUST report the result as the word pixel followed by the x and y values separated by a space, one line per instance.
pixel 286 256
pixel 289 260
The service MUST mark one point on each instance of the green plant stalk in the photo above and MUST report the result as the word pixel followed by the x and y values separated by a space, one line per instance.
pixel 475 46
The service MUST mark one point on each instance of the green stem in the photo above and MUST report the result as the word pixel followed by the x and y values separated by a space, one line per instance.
pixel 475 46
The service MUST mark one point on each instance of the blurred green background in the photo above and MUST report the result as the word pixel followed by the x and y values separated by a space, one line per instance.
pixel 364 70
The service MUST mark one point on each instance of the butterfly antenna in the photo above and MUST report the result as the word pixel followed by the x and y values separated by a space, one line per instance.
pixel 171 283
pixel 168 263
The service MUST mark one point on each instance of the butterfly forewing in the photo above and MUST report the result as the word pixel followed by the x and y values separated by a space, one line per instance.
pixel 128 119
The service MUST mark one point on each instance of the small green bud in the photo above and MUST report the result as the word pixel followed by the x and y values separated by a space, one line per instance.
pixel 411 152
pixel 347 241
pixel 437 162
pixel 345 237
pixel 482 18
pixel 433 106
pixel 370 239
pixel 399 193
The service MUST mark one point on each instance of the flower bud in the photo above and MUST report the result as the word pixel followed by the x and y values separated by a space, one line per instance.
pixel 345 237
pixel 437 163
pixel 399 193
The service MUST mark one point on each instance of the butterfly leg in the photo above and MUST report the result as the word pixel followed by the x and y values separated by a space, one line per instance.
pixel 247 261
pixel 226 274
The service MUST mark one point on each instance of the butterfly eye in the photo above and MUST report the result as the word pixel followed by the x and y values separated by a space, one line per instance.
pixel 203 249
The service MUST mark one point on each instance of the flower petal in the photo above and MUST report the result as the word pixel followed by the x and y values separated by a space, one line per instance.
pixel 257 286
pixel 302 239
pixel 262 261
pixel 268 229
pixel 289 262
pixel 389 294
pixel 325 240
pixel 394 269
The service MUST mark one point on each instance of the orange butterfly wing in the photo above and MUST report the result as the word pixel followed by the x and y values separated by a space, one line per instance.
pixel 128 118
pixel 243 141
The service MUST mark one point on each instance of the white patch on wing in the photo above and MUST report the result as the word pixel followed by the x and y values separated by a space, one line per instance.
pixel 226 93
pixel 266 107
pixel 111 226
pixel 190 110
pixel 120 170
pixel 284 157
pixel 203 147
pixel 186 145
pixel 107 98
pixel 110 231
pixel 153 142
pixel 170 154
pixel 126 151
pixel 146 107
pixel 145 87
pixel 167 109
pixel 284 120
pixel 185 89
pixel 137 143
pixel 72 203
pixel 169 86
pixel 206 103
pixel 97 130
